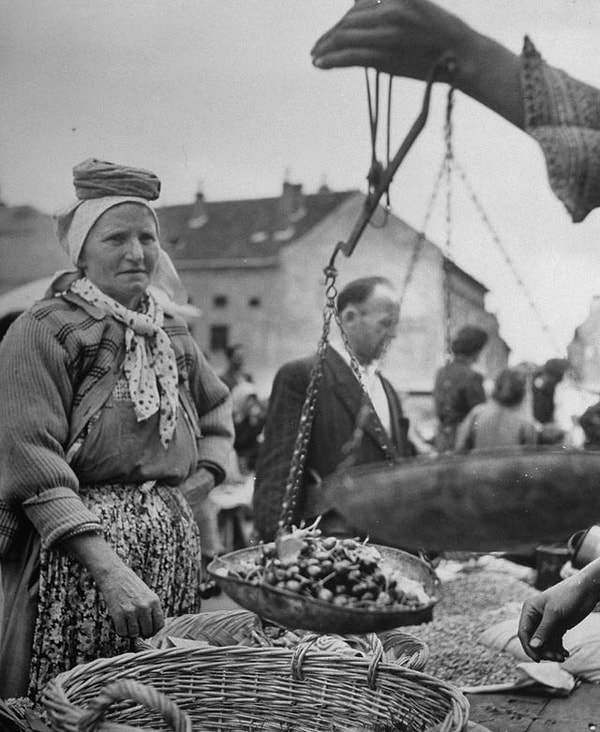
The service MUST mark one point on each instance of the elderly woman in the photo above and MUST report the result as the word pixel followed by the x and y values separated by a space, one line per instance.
pixel 113 430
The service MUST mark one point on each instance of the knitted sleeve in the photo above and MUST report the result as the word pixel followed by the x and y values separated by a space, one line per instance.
pixel 36 396
pixel 563 115
pixel 213 405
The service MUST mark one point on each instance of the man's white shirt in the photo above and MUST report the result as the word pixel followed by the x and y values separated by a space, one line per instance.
pixel 371 379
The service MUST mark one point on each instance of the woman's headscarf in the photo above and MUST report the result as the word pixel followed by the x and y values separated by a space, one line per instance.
pixel 100 185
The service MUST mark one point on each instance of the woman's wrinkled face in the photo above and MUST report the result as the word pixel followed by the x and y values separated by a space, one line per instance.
pixel 121 251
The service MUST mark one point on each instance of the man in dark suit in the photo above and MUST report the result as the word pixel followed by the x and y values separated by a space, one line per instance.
pixel 369 311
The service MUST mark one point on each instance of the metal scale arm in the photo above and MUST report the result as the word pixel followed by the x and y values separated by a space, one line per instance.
pixel 292 487
pixel 446 64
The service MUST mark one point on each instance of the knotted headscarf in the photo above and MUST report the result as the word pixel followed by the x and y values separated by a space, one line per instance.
pixel 100 185
pixel 96 179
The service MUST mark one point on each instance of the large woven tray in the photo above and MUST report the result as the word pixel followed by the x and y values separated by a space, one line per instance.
pixel 293 610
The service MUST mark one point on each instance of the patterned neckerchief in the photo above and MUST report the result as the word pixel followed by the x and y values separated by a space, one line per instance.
pixel 150 367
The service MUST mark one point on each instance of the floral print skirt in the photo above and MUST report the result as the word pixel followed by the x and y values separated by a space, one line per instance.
pixel 152 529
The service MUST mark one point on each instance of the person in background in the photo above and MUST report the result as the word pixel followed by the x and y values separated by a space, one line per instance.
pixel 248 422
pixel 543 388
pixel 249 416
pixel 113 430
pixel 235 366
pixel 571 399
pixel 458 386
pixel 499 422
pixel 369 310
pixel 589 422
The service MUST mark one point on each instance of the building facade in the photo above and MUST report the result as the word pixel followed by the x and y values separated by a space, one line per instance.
pixel 256 270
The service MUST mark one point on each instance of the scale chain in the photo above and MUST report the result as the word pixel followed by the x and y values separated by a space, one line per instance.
pixel 448 261
pixel 298 460
pixel 547 330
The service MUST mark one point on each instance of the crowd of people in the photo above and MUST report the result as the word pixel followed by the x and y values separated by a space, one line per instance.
pixel 115 428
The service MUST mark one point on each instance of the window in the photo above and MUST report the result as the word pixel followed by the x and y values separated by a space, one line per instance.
pixel 220 301
pixel 219 337
pixel 254 302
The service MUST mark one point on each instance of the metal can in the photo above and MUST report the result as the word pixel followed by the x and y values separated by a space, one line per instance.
pixel 584 546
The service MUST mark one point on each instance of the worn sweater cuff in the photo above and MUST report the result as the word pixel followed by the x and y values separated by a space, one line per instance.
pixel 58 513
pixel 563 115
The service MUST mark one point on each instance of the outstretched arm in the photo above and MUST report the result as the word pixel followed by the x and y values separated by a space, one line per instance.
pixel 406 38
pixel 546 617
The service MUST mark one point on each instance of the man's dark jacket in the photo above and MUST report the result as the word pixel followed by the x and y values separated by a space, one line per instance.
pixel 338 403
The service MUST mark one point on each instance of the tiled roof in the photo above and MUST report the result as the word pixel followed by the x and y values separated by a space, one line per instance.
pixel 244 229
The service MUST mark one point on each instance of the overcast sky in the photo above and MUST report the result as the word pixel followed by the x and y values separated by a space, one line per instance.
pixel 222 94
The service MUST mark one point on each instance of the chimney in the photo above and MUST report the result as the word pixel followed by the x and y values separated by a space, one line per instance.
pixel 199 215
pixel 595 305
pixel 291 205
pixel 324 188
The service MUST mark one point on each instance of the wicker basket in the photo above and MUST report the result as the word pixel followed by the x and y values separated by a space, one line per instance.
pixel 238 689
pixel 241 627
pixel 127 690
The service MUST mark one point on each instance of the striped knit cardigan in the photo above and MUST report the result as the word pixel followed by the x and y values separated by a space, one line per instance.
pixel 58 364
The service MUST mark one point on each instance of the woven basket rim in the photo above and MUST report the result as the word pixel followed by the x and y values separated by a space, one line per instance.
pixel 179 653
pixel 60 696
pixel 207 627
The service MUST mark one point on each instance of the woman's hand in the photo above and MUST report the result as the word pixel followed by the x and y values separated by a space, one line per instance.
pixel 546 617
pixel 134 608
pixel 399 37
pixel 196 489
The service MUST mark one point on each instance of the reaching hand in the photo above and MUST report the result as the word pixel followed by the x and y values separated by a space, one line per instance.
pixel 546 617
pixel 133 607
pixel 407 38
pixel 397 37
